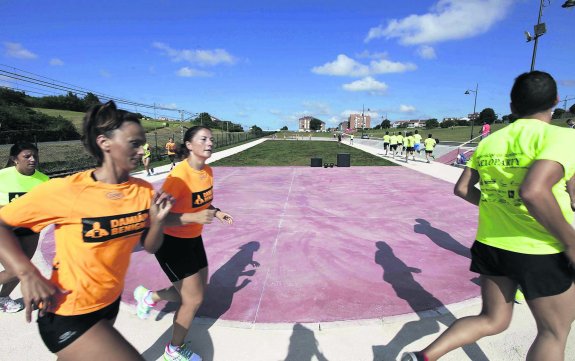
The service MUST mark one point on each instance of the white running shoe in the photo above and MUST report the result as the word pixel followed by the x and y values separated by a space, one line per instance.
pixel 182 353
pixel 144 308
pixel 8 305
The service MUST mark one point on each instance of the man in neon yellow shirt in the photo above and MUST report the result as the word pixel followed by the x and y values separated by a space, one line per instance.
pixel 386 139
pixel 524 237
pixel 429 144
pixel 417 138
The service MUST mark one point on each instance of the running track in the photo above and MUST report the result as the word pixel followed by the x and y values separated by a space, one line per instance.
pixel 321 245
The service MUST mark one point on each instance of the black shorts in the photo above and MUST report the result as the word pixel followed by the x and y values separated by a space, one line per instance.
pixel 21 231
pixel 385 145
pixel 58 332
pixel 181 257
pixel 393 147
pixel 171 157
pixel 538 275
pixel 428 151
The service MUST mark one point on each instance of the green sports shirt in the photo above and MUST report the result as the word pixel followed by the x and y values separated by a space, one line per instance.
pixel 14 184
pixel 502 161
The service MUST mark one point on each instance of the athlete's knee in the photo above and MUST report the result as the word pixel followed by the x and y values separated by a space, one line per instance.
pixel 495 323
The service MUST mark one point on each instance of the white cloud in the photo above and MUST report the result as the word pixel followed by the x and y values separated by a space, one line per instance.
pixel 406 108
pixel 199 57
pixel 56 62
pixel 346 66
pixel 367 84
pixel 342 66
pixel 16 50
pixel 426 52
pixel 191 73
pixel 168 106
pixel 567 83
pixel 275 111
pixel 105 73
pixel 447 20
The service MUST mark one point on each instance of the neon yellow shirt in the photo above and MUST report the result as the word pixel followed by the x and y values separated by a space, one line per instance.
pixel 502 160
pixel 393 140
pixel 14 184
pixel 386 138
pixel 400 139
pixel 410 141
pixel 429 143
pixel 147 152
pixel 417 138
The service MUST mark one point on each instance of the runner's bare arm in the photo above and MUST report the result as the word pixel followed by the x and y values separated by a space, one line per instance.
pixel 465 186
pixel 539 199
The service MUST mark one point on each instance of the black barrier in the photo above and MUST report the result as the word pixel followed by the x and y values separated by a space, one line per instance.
pixel 343 160
pixel 316 162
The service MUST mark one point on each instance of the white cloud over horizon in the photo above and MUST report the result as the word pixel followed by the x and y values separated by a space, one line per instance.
pixel 446 20
pixel 199 57
pixel 426 52
pixel 56 62
pixel 367 84
pixel 346 66
pixel 16 50
pixel 407 108
pixel 187 72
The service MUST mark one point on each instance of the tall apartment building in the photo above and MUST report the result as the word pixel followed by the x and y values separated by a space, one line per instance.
pixel 357 121
pixel 304 124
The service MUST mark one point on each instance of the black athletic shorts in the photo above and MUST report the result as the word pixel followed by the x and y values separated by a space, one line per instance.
pixel 58 331
pixel 385 145
pixel 428 151
pixel 393 146
pixel 21 231
pixel 181 257
pixel 538 275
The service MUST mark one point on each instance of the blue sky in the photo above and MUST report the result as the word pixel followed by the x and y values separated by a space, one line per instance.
pixel 271 62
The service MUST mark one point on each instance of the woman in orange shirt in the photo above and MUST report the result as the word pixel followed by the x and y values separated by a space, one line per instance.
pixel 182 255
pixel 99 216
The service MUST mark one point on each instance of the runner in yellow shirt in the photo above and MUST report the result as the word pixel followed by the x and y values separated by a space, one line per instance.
pixel 429 144
pixel 524 236
pixel 18 178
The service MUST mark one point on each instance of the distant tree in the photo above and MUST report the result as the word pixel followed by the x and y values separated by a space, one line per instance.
pixel 487 115
pixel 462 122
pixel 447 123
pixel 90 99
pixel 403 125
pixel 385 124
pixel 510 118
pixel 572 109
pixel 256 130
pixel 315 124
pixel 377 127
pixel 558 113
pixel 284 127
pixel 431 123
pixel 12 97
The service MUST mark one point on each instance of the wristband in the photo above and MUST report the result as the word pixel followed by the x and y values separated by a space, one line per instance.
pixel 217 210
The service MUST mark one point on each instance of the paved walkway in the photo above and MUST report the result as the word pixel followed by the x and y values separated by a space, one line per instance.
pixel 374 339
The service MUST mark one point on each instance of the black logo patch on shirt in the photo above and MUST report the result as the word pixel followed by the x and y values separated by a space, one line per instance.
pixel 14 195
pixel 101 229
pixel 203 197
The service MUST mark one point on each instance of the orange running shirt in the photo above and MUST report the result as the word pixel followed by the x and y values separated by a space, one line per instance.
pixel 193 191
pixel 171 148
pixel 97 226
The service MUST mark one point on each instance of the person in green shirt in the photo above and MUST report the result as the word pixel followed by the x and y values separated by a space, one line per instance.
pixel 393 144
pixel 386 139
pixel 400 143
pixel 146 160
pixel 16 179
pixel 525 237
pixel 417 138
pixel 429 144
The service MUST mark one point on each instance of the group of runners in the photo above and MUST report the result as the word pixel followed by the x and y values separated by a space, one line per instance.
pixel 99 216
pixel 411 142
pixel 525 236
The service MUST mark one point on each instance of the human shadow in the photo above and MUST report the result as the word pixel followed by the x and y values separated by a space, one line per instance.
pixel 400 277
pixel 218 297
pixel 441 238
pixel 303 345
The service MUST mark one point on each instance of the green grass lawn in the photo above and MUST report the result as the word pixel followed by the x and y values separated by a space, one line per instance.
pixel 298 153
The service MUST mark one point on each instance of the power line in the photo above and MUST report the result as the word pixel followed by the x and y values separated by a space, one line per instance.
pixel 62 86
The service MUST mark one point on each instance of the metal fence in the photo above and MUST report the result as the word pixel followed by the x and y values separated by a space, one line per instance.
pixel 58 158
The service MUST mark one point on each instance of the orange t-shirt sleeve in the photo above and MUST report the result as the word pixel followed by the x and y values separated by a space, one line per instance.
pixel 44 205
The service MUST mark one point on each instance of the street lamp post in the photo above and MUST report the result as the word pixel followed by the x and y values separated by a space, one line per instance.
pixel 474 105
pixel 540 29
